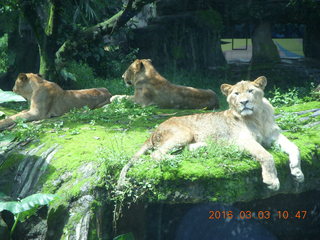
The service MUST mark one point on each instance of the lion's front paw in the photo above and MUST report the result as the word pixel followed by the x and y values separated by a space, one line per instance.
pixel 298 175
pixel 118 98
pixel 195 146
pixel 273 185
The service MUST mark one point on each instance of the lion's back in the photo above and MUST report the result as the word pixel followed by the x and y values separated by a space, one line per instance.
pixel 168 95
pixel 69 99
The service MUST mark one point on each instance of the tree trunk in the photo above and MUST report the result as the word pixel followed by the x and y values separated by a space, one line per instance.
pixel 46 36
pixel 47 60
pixel 48 43
pixel 263 48
pixel 52 57
pixel 311 43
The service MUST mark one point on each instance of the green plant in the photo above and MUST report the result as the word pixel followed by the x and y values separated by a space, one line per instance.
pixel 3 53
pixel 23 130
pixel 115 60
pixel 127 236
pixel 279 98
pixel 5 140
pixel 26 207
pixel 314 93
pixel 83 76
pixel 289 121
pixel 81 73
pixel 122 110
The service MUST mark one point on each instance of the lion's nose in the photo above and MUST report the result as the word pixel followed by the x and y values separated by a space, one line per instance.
pixel 244 102
pixel 122 76
pixel 14 89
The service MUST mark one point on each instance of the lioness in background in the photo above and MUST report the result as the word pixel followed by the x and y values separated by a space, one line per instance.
pixel 150 88
pixel 248 123
pixel 47 99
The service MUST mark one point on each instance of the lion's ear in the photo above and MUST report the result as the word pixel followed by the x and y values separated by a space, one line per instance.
pixel 23 76
pixel 226 89
pixel 137 64
pixel 149 60
pixel 260 82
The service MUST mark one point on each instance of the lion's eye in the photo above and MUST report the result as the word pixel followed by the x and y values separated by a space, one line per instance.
pixel 250 91
pixel 236 93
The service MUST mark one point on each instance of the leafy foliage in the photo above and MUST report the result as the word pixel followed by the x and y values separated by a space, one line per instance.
pixel 26 207
pixel 27 203
pixel 3 53
pixel 288 121
pixel 83 76
pixel 5 140
pixel 115 60
pixel 284 98
pixel 81 73
pixel 127 236
pixel 279 97
pixel 24 130
pixel 117 110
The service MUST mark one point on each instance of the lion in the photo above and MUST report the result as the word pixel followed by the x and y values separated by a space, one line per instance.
pixel 248 123
pixel 47 99
pixel 150 88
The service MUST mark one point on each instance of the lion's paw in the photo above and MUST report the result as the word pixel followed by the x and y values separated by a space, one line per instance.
pixel 195 146
pixel 298 175
pixel 118 98
pixel 274 185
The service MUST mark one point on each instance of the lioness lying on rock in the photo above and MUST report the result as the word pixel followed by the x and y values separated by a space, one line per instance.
pixel 150 88
pixel 249 123
pixel 47 99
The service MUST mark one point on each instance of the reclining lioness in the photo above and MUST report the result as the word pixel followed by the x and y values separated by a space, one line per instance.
pixel 47 99
pixel 150 88
pixel 249 123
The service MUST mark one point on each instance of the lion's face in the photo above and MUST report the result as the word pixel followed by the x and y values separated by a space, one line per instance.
pixel 136 68
pixel 245 97
pixel 130 74
pixel 23 86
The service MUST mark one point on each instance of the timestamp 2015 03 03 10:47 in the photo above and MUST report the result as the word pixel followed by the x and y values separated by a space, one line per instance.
pixel 261 215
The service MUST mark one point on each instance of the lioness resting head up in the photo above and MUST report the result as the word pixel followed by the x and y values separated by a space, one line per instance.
pixel 47 99
pixel 248 123
pixel 151 88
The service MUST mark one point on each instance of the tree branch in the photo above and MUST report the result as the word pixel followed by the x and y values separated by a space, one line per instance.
pixel 118 20
pixel 106 27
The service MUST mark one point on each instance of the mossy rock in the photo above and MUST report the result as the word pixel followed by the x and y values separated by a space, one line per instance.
pixel 92 146
pixel 82 144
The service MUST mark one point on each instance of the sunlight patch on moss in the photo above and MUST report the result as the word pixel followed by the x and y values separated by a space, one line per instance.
pixel 299 107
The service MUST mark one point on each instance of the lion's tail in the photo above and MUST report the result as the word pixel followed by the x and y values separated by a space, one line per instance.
pixel 122 177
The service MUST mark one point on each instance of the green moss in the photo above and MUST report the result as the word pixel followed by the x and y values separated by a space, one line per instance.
pixel 222 172
pixel 299 107
pixel 7 111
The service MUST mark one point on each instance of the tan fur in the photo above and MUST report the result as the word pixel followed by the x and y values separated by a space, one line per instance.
pixel 47 99
pixel 151 88
pixel 248 123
